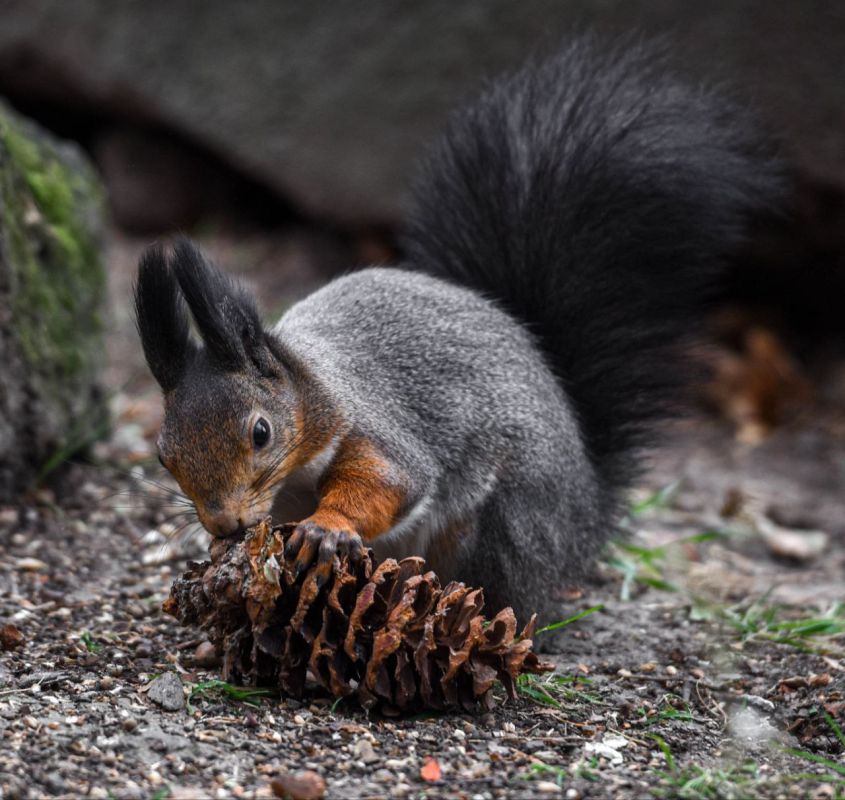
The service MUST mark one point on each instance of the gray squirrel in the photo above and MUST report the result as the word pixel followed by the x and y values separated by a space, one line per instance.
pixel 486 403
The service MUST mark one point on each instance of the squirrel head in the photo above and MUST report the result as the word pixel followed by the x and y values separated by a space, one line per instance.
pixel 233 417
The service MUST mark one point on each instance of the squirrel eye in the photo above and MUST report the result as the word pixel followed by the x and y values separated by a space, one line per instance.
pixel 261 432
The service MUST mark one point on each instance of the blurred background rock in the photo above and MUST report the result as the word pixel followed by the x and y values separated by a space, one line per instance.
pixel 283 135
pixel 51 296
pixel 325 106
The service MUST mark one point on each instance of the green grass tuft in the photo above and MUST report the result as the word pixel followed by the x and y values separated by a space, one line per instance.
pixel 704 783
pixel 647 565
pixel 222 690
pixel 558 691
pixel 90 645
pixel 819 634
pixel 669 712
pixel 835 773
pixel 662 498
pixel 564 622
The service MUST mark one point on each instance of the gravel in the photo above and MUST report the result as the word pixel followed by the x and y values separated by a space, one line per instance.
pixel 93 702
pixel 84 691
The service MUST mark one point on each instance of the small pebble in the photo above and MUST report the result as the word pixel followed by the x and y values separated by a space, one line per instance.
pixel 144 649
pixel 363 749
pixel 547 787
pixel 30 564
pixel 153 537
pixel 166 691
pixel 10 636
pixel 303 785
pixel 206 655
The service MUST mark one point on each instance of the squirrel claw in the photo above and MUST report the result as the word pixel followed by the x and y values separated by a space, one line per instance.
pixel 310 542
pixel 348 544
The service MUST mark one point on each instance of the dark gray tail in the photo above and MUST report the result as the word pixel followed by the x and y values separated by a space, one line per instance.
pixel 595 197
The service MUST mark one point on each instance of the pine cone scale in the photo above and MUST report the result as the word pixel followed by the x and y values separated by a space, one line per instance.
pixel 387 633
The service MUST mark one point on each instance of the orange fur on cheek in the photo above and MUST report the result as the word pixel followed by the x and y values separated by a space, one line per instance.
pixel 219 479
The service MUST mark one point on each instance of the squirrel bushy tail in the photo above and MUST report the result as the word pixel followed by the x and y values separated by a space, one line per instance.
pixel 594 197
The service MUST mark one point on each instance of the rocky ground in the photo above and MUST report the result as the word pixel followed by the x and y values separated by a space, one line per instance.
pixel 715 667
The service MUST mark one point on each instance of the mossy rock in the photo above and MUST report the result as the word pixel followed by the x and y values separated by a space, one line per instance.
pixel 52 290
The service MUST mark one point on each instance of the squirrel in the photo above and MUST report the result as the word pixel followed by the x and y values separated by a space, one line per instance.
pixel 487 403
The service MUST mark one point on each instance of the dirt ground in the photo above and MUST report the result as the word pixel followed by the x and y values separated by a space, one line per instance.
pixel 715 667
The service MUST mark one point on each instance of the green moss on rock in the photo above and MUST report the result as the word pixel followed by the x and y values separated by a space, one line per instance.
pixel 52 285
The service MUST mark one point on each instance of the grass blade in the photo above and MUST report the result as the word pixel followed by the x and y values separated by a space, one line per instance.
pixel 564 622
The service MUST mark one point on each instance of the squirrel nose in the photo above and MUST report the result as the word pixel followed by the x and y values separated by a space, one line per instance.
pixel 223 524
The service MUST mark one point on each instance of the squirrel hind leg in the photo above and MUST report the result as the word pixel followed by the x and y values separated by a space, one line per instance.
pixel 525 551
pixel 498 563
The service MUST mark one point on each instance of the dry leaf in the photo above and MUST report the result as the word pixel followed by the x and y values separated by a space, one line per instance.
pixel 10 636
pixel 430 771
pixel 757 383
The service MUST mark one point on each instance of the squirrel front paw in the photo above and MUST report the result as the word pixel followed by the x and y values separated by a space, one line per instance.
pixel 312 541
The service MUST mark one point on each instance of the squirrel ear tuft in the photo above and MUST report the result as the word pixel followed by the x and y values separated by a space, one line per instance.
pixel 224 311
pixel 161 319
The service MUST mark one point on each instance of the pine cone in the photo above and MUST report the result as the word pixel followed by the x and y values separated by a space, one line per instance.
pixel 387 633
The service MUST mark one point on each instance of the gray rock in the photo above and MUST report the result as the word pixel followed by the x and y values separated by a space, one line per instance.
pixel 6 677
pixel 330 103
pixel 166 691
pixel 51 294
pixel 363 749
